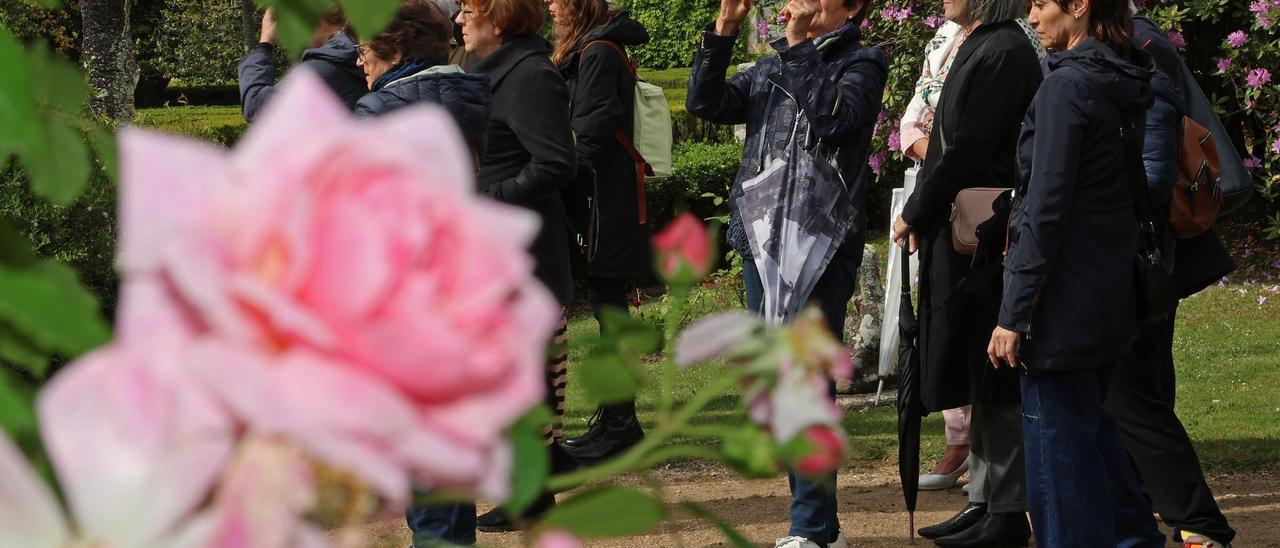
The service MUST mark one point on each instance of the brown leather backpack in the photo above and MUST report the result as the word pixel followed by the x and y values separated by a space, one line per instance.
pixel 1197 191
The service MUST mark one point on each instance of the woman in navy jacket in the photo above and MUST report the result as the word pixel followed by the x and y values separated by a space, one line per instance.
pixel 1068 312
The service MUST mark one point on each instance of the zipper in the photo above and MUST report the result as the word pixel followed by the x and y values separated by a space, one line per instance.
pixel 1034 301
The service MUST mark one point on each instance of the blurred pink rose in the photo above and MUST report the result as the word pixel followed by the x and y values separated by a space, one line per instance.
pixel 827 451
pixel 683 250
pixel 556 538
pixel 137 448
pixel 339 283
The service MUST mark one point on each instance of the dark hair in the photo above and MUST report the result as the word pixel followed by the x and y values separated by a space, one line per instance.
pixel 584 15
pixel 1109 21
pixel 862 13
pixel 420 30
pixel 514 17
pixel 993 11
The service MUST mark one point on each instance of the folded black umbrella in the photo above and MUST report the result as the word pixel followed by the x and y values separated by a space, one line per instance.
pixel 910 410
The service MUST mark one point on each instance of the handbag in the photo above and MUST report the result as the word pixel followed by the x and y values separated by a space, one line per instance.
pixel 1197 191
pixel 973 206
pixel 1154 288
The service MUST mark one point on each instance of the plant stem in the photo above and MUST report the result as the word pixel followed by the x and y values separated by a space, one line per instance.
pixel 671 325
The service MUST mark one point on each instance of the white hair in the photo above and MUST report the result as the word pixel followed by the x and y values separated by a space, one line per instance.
pixel 1133 8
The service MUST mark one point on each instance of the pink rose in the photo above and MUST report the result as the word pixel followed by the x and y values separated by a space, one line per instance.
pixel 683 250
pixel 338 283
pixel 826 454
pixel 137 448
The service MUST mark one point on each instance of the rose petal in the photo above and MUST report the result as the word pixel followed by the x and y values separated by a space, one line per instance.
pixel 262 499
pixel 713 336
pixel 29 514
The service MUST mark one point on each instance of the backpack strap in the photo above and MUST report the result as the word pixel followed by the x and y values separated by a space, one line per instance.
pixel 642 167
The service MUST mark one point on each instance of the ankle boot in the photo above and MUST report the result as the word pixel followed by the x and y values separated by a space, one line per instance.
pixel 621 430
pixel 499 520
pixel 595 426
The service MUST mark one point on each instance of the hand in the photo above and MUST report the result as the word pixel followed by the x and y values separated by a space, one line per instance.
pixel 800 14
pixel 268 34
pixel 1003 347
pixel 732 14
pixel 920 148
pixel 902 233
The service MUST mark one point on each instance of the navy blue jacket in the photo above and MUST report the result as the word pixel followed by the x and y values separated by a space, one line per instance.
pixel 836 69
pixel 1068 283
pixel 465 96
pixel 334 62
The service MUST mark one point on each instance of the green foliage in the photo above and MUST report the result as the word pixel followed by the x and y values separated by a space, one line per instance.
pixel 531 463
pixel 606 512
pixel 220 125
pixel 675 28
pixel 197 41
pixel 697 169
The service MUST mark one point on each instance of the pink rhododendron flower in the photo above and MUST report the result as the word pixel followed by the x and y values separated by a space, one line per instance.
pixel 1224 64
pixel 876 161
pixel 1251 163
pixel 1178 40
pixel 1237 38
pixel 1258 77
pixel 137 447
pixel 339 283
pixel 895 140
pixel 934 21
pixel 683 250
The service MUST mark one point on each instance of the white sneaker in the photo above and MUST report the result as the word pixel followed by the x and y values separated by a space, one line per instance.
pixel 801 542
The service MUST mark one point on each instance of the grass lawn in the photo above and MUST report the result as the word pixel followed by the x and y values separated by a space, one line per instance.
pixel 1227 353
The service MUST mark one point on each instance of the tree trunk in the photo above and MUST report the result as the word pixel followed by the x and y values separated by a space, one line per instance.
pixel 249 24
pixel 108 57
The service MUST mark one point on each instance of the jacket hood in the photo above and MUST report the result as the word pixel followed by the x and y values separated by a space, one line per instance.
pixel 499 63
pixel 1126 82
pixel 621 29
pixel 339 50
pixel 465 96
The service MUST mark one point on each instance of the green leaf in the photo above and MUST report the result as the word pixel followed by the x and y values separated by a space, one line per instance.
pixel 296 21
pixel 633 336
pixel 730 534
pixel 15 249
pixel 608 377
pixel 58 162
pixel 532 461
pixel 21 352
pixel 752 452
pixel 369 17
pixel 62 85
pixel 47 304
pixel 606 512
pixel 17 415
pixel 17 102
pixel 50 4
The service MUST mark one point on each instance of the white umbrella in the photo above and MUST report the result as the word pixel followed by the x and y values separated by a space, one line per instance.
pixel 893 284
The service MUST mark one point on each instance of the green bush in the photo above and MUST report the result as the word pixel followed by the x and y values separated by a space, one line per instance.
pixel 698 169
pixel 675 28
pixel 221 125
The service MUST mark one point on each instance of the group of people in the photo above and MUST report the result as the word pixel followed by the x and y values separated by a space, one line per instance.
pixel 1058 400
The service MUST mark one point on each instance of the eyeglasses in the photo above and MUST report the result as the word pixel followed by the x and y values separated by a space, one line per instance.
pixel 360 48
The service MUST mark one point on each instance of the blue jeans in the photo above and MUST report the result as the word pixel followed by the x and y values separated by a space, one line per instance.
pixel 452 523
pixel 813 503
pixel 1081 487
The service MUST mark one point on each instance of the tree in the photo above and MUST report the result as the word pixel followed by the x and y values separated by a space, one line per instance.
pixel 107 52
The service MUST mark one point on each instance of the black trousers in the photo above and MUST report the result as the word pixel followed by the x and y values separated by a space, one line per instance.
pixel 1141 400
pixel 610 293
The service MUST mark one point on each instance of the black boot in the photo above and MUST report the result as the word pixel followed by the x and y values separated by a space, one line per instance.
pixel 620 431
pixel 595 427
pixel 561 461
pixel 959 522
pixel 993 530
pixel 499 521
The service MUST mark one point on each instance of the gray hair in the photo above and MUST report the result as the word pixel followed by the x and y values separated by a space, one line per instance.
pixel 1133 8
pixel 992 11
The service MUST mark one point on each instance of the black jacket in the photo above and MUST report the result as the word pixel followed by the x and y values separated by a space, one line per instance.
pixel 973 144
pixel 837 69
pixel 602 103
pixel 334 62
pixel 1069 283
pixel 529 152
pixel 465 96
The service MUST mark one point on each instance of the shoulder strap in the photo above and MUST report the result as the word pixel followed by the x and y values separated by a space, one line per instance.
pixel 621 53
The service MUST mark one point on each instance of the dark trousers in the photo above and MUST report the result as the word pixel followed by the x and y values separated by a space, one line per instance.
pixel 1081 488
pixel 452 523
pixel 607 293
pixel 1141 400
pixel 813 503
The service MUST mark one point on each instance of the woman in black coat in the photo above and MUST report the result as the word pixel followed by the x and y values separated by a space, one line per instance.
pixel 528 157
pixel 607 207
pixel 1068 312
pixel 992 80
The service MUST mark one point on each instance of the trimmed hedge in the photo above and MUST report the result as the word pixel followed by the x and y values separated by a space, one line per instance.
pixel 698 169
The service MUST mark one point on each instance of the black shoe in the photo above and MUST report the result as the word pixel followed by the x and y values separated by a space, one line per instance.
pixel 595 426
pixel 993 530
pixel 499 521
pixel 561 461
pixel 620 431
pixel 959 522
